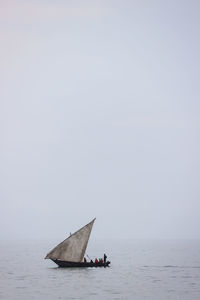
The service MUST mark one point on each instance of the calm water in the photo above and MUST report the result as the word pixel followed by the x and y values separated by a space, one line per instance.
pixel 140 269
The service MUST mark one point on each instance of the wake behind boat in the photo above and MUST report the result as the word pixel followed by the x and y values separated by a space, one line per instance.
pixel 70 253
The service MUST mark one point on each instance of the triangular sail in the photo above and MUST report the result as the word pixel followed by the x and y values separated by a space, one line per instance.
pixel 73 248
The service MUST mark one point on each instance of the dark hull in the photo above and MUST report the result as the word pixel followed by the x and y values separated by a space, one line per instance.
pixel 69 264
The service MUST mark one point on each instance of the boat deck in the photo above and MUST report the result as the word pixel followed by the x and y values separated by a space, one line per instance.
pixel 69 264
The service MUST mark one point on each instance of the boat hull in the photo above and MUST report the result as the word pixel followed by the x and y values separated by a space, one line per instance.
pixel 70 264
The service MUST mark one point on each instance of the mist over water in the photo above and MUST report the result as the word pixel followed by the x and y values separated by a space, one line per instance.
pixel 100 117
pixel 140 269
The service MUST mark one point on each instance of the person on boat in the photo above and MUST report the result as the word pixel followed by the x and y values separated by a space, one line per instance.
pixel 85 260
pixel 96 261
pixel 91 261
pixel 104 258
pixel 100 260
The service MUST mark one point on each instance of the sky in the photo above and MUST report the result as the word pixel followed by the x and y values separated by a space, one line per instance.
pixel 100 117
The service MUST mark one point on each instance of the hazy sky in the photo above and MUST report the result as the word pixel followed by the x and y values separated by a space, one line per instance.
pixel 100 117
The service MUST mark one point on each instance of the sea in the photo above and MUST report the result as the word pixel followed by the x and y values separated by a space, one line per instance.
pixel 140 269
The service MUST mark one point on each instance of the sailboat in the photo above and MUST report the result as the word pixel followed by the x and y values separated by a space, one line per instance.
pixel 71 251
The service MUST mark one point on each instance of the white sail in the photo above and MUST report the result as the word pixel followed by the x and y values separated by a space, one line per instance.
pixel 73 248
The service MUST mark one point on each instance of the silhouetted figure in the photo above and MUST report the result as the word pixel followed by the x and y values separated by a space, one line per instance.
pixel 85 260
pixel 104 258
pixel 96 261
